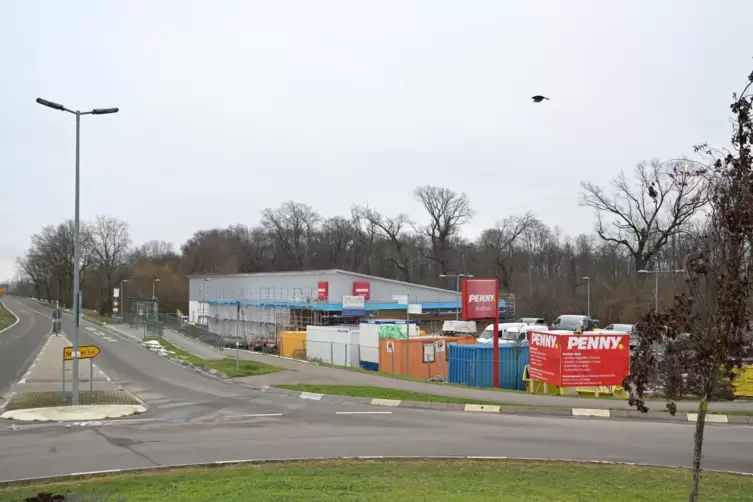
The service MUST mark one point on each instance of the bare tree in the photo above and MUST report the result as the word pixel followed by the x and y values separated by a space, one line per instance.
pixel 394 231
pixel 641 215
pixel 499 241
pixel 448 211
pixel 293 226
pixel 110 242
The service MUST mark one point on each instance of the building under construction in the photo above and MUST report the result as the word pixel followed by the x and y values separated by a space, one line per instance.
pixel 259 306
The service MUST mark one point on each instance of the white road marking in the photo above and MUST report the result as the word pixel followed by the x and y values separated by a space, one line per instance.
pixel 484 408
pixel 590 412
pixel 710 417
pixel 256 415
pixel 363 413
pixel 393 403
pixel 311 395
pixel 11 313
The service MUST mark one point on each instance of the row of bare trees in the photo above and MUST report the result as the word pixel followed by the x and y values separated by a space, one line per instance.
pixel 643 221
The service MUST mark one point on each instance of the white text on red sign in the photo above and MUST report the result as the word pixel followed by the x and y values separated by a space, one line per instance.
pixel 593 342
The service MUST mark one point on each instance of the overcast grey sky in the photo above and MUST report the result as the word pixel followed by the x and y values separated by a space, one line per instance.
pixel 229 107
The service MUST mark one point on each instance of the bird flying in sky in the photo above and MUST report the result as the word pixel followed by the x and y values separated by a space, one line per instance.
pixel 539 98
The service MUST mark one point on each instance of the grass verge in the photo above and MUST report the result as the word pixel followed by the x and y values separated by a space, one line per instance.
pixel 227 366
pixel 6 318
pixel 383 393
pixel 97 318
pixel 389 480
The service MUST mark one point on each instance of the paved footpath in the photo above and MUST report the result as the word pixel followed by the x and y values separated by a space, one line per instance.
pixel 306 373
pixel 46 371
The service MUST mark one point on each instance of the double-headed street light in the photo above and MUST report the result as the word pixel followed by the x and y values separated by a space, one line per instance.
pixel 76 241
pixel 457 289
pixel 656 282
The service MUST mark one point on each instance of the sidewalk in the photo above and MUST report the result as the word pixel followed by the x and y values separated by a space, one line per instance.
pixel 47 368
pixel 300 372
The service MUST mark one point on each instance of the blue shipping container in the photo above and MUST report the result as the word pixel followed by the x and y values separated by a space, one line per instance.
pixel 472 365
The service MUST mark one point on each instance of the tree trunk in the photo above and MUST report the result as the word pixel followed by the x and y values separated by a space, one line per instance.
pixel 700 425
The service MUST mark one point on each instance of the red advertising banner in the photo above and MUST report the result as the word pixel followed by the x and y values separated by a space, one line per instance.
pixel 591 360
pixel 544 353
pixel 362 288
pixel 322 290
pixel 579 360
pixel 480 299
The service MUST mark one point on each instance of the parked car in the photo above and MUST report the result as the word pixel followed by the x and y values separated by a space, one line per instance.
pixel 504 336
pixel 620 328
pixel 573 322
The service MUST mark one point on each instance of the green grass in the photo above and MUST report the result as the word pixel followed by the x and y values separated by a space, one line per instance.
pixel 6 318
pixel 389 480
pixel 227 366
pixel 383 393
pixel 97 318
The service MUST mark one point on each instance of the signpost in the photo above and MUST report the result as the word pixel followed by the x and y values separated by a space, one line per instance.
pixel 481 301
pixel 84 352
pixel 354 306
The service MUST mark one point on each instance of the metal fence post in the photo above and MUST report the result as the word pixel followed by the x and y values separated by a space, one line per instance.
pixel 91 376
pixel 63 379
pixel 331 354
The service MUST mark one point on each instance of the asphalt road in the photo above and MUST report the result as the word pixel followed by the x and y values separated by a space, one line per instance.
pixel 172 392
pixel 194 418
pixel 20 343
pixel 58 450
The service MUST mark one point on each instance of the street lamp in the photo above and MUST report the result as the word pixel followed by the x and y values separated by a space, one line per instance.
pixel 76 240
pixel 588 281
pixel 457 289
pixel 656 282
pixel 154 298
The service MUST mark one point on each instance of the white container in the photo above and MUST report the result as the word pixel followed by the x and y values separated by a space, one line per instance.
pixel 333 345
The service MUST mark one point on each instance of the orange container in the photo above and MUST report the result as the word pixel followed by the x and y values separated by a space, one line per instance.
pixel 420 357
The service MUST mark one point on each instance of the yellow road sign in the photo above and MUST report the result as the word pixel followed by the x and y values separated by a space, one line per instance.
pixel 85 352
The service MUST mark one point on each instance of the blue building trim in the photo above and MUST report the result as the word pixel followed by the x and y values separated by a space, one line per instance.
pixel 337 307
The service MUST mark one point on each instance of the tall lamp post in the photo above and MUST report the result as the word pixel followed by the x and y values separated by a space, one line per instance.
pixel 154 298
pixel 656 282
pixel 457 289
pixel 588 309
pixel 76 241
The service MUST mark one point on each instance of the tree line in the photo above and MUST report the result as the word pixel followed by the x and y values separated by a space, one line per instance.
pixel 644 220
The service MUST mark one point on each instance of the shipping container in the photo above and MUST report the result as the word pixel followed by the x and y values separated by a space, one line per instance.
pixel 420 357
pixel 333 345
pixel 472 365
pixel 293 344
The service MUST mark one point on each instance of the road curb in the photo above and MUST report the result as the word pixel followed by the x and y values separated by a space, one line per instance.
pixel 575 413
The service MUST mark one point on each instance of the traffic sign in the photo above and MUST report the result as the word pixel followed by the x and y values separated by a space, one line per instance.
pixel 85 352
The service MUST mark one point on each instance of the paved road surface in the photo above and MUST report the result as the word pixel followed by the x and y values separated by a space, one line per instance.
pixel 173 392
pixel 59 450
pixel 195 418
pixel 20 344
